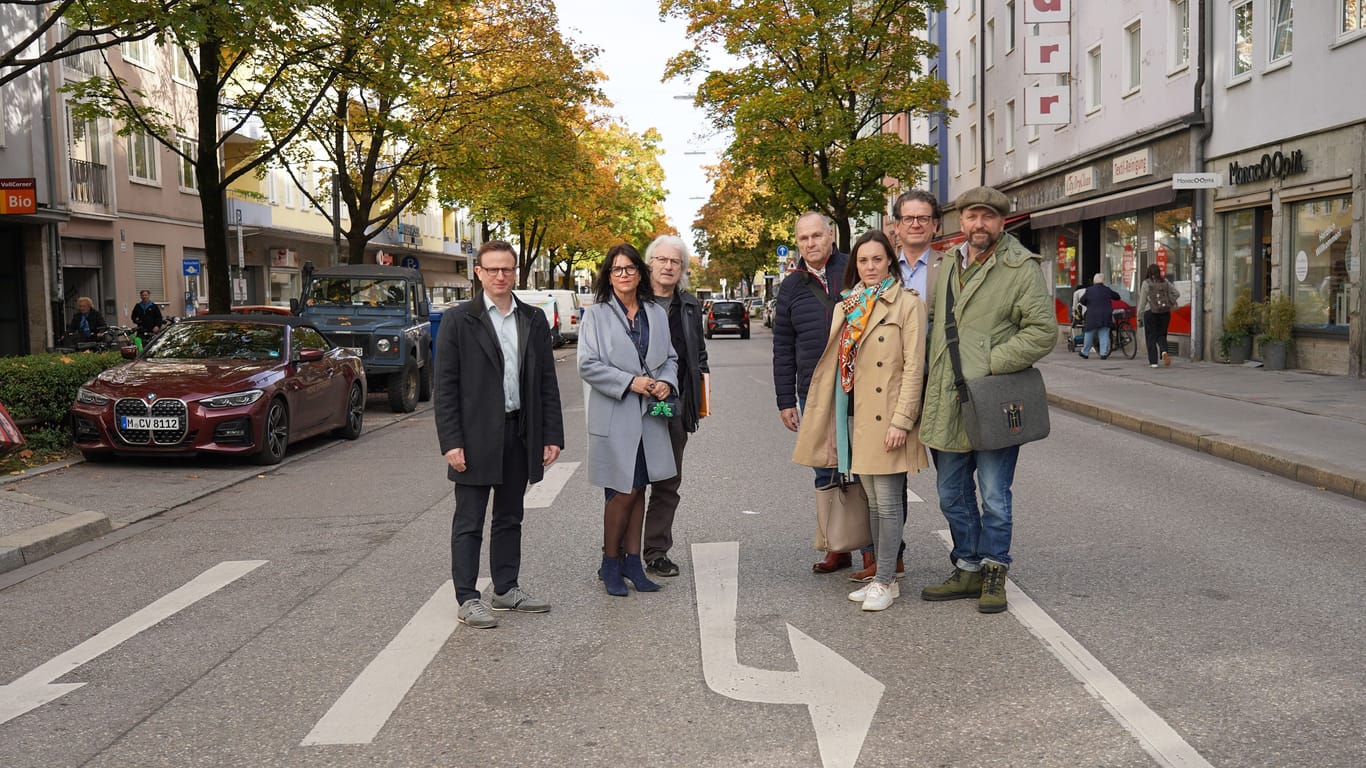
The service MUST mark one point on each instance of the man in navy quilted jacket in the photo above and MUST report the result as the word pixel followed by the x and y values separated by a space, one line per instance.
pixel 801 324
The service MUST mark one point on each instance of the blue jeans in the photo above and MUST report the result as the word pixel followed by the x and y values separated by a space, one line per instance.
pixel 1089 341
pixel 977 536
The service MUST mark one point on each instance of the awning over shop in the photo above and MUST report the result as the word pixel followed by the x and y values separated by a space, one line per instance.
pixel 1120 202
pixel 949 241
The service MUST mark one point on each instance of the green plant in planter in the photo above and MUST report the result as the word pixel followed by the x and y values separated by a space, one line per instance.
pixel 1239 322
pixel 1278 320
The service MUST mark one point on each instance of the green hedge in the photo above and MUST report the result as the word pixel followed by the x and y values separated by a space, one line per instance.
pixel 44 386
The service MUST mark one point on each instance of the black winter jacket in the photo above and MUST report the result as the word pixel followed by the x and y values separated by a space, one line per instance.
pixel 801 324
pixel 693 359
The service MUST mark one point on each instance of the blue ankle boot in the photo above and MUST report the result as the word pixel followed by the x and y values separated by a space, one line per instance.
pixel 632 569
pixel 611 577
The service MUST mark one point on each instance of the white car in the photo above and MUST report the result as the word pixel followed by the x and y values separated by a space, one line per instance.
pixel 566 320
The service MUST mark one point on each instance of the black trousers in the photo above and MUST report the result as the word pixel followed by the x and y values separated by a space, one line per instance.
pixel 1155 333
pixel 664 498
pixel 467 526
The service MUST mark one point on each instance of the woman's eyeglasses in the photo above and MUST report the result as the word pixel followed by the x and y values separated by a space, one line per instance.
pixel 625 271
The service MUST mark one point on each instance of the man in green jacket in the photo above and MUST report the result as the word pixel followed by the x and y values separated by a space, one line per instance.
pixel 1005 321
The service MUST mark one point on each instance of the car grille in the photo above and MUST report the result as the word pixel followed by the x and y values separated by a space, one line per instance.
pixel 132 406
pixel 357 340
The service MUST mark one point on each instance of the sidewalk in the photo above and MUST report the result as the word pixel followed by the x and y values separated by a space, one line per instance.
pixel 1298 425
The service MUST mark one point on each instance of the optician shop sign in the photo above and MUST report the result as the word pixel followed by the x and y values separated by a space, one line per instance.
pixel 1273 165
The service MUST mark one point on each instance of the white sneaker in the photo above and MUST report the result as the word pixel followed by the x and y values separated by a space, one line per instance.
pixel 880 596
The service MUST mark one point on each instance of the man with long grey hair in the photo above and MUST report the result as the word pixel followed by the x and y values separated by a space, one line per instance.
pixel 668 257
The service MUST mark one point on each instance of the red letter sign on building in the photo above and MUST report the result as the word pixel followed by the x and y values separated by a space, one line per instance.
pixel 18 196
pixel 1048 55
pixel 1047 11
pixel 1048 105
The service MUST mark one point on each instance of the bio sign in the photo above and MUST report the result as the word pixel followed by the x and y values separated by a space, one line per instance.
pixel 18 196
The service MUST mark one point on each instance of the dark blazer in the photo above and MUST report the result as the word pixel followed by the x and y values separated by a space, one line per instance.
pixel 469 391
pixel 96 320
pixel 693 357
pixel 801 323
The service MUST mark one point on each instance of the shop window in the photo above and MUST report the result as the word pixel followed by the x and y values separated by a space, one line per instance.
pixel 1068 264
pixel 1120 255
pixel 1172 228
pixel 1324 277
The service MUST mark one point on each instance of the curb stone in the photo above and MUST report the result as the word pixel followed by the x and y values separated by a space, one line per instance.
pixel 34 544
pixel 1259 457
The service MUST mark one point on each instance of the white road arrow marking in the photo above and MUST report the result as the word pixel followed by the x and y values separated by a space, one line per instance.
pixel 360 713
pixel 36 688
pixel 841 698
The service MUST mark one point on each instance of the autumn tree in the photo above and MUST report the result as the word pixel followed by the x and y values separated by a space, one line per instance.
pixel 259 68
pixel 806 105
pixel 741 225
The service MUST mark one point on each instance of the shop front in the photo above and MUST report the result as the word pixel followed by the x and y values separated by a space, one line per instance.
pixel 1288 222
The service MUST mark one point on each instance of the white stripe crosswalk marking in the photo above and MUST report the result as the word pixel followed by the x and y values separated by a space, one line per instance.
pixel 542 494
pixel 360 713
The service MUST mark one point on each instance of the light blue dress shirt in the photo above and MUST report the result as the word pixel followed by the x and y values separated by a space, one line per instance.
pixel 505 326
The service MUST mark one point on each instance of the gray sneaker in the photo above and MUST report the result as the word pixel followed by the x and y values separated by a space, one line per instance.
pixel 473 613
pixel 516 599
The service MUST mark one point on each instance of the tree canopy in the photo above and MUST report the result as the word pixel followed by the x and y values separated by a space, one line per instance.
pixel 807 103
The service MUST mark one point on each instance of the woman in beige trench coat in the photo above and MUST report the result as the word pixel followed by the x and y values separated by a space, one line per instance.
pixel 863 408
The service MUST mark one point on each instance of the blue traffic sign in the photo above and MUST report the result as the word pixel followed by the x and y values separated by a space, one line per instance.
pixel 190 266
pixel 410 262
pixel 782 251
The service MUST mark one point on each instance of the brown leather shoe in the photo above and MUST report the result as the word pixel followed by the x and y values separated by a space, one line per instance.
pixel 870 570
pixel 833 561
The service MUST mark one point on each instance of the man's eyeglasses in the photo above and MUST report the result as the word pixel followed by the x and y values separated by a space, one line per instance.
pixel 497 271
pixel 666 262
pixel 921 220
pixel 625 271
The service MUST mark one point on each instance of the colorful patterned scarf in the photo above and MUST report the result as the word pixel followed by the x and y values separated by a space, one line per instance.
pixel 857 306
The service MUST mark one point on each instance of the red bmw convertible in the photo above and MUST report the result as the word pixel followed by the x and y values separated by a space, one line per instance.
pixel 245 385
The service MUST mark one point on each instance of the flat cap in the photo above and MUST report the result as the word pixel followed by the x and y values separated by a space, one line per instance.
pixel 984 197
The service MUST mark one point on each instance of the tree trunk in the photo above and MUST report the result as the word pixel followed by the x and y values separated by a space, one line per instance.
pixel 212 190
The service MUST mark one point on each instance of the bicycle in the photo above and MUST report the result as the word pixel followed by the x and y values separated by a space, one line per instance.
pixel 109 339
pixel 1122 334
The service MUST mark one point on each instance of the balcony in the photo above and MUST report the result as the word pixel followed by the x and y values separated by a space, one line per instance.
pixel 89 183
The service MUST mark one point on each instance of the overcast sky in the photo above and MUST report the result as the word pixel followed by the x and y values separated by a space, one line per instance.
pixel 634 46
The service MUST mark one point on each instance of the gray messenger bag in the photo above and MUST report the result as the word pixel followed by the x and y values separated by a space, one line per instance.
pixel 998 411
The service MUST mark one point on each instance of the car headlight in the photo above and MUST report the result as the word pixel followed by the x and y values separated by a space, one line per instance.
pixel 87 397
pixel 387 345
pixel 232 400
pixel 384 345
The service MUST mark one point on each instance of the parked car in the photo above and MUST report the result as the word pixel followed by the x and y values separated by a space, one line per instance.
pixel 769 306
pixel 381 314
pixel 547 304
pixel 728 316
pixel 756 307
pixel 241 385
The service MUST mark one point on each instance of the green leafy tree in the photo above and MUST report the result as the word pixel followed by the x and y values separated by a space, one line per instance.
pixel 807 104
pixel 83 27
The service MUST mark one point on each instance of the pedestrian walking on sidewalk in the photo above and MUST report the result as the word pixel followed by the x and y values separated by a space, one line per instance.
pixel 499 424
pixel 873 369
pixel 628 362
pixel 1156 299
pixel 801 323
pixel 1004 318
pixel 1099 316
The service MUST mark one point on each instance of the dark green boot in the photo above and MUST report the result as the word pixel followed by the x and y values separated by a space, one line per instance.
pixel 993 599
pixel 960 585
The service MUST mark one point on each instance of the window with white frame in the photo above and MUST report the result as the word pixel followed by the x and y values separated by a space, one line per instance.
pixel 1133 57
pixel 972 70
pixel 288 183
pixel 990 153
pixel 142 157
pixel 1093 76
pixel 1352 20
pixel 1282 15
pixel 180 63
pixel 189 151
pixel 972 146
pixel 1010 126
pixel 1242 39
pixel 273 186
pixel 957 158
pixel 990 43
pixel 139 52
pixel 1010 26
pixel 1179 44
pixel 957 71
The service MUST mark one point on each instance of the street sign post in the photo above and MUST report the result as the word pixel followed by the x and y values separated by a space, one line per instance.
pixel 782 251
pixel 190 267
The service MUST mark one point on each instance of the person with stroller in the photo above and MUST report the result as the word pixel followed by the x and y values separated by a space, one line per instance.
pixel 1098 316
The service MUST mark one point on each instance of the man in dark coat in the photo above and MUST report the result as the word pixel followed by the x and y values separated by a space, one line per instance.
pixel 1099 314
pixel 147 315
pixel 801 325
pixel 667 256
pixel 499 424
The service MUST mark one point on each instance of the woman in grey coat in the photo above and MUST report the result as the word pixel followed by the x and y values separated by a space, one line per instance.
pixel 630 368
